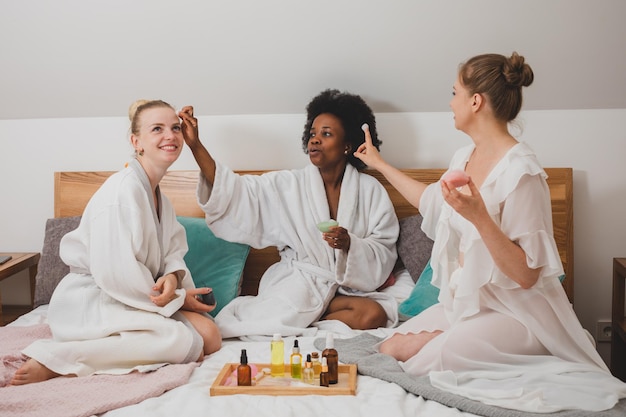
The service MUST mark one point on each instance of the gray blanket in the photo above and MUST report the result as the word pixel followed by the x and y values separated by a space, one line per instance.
pixel 359 350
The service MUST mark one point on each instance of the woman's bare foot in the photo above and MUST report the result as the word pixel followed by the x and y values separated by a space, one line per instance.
pixel 32 371
pixel 404 346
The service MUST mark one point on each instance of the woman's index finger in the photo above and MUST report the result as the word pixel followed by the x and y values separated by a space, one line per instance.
pixel 368 137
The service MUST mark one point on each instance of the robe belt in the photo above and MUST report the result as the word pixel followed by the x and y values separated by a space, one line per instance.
pixel 318 271
pixel 79 270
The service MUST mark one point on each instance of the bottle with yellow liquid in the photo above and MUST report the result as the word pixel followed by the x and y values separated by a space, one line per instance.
pixel 277 347
pixel 317 365
pixel 295 361
pixel 308 375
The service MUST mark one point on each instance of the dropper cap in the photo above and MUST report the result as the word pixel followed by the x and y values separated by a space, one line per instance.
pixel 324 364
pixel 244 357
pixel 296 347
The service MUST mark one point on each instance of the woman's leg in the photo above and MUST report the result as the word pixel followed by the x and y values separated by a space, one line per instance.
pixel 32 371
pixel 476 343
pixel 357 312
pixel 207 329
pixel 404 346
pixel 411 336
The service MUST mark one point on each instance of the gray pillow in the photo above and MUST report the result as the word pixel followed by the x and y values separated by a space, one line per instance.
pixel 413 246
pixel 51 268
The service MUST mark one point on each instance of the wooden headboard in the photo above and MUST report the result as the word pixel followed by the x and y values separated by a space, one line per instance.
pixel 72 191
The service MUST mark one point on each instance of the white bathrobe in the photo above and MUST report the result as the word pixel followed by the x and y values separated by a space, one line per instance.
pixel 100 314
pixel 504 345
pixel 282 208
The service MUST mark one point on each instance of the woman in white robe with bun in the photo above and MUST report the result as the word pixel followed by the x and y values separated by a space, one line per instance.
pixel 129 302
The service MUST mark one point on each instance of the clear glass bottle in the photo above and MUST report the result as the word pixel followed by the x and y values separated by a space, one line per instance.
pixel 317 365
pixel 295 360
pixel 278 356
pixel 332 359
pixel 308 375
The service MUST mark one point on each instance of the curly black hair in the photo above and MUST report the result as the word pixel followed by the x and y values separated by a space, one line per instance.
pixel 352 111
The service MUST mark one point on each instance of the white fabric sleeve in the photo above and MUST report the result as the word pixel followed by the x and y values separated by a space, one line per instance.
pixel 117 244
pixel 527 220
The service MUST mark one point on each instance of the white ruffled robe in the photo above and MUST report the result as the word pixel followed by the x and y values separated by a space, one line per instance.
pixel 100 314
pixel 282 208
pixel 503 345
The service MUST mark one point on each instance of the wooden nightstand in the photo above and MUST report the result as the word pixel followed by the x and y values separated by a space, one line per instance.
pixel 618 339
pixel 18 263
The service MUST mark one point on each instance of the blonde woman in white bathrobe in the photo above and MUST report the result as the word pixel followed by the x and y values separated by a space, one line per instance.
pixel 332 275
pixel 503 332
pixel 128 303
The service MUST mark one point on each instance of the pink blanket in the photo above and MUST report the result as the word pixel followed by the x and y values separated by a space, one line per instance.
pixel 84 396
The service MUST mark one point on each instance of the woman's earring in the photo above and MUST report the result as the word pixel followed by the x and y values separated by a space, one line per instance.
pixel 141 152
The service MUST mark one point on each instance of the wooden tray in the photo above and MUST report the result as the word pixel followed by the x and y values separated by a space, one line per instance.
pixel 345 386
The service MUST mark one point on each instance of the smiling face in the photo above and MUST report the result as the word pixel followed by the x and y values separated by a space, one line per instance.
pixel 327 146
pixel 160 139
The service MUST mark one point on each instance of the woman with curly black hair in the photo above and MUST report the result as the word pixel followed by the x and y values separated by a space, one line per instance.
pixel 352 111
pixel 325 273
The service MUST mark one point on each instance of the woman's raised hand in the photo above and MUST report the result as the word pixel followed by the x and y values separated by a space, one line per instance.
pixel 469 204
pixel 189 125
pixel 367 152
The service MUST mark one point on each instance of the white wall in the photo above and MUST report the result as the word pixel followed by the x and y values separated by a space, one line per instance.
pixel 77 58
pixel 593 142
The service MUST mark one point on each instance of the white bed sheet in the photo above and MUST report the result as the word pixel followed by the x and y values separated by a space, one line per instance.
pixel 374 397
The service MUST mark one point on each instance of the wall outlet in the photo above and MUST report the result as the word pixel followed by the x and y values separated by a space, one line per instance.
pixel 604 331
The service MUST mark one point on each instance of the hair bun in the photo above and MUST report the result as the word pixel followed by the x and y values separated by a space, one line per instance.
pixel 516 72
pixel 133 108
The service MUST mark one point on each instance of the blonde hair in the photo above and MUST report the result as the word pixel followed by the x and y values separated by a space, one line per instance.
pixel 137 108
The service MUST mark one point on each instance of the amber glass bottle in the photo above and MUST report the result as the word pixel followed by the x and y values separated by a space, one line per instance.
pixel 332 359
pixel 324 376
pixel 244 373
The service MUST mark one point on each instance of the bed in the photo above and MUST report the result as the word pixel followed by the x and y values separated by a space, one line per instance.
pixel 379 391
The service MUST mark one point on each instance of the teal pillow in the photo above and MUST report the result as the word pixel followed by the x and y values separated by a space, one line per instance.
pixel 424 295
pixel 214 262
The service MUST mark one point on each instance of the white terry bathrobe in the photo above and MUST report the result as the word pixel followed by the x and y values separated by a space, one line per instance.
pixel 282 208
pixel 100 314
